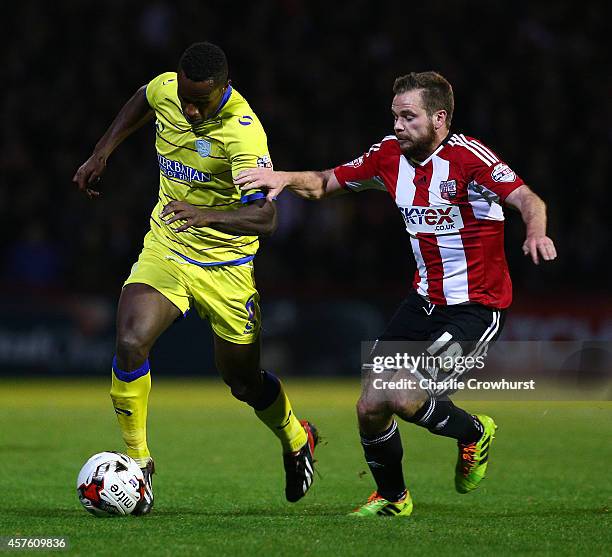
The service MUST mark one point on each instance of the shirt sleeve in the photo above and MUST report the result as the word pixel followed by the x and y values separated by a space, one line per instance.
pixel 153 90
pixel 361 173
pixel 488 170
pixel 246 146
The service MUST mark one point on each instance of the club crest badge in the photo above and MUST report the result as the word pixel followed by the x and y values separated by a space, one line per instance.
pixel 448 189
pixel 203 147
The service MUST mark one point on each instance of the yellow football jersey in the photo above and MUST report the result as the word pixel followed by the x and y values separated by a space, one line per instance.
pixel 197 164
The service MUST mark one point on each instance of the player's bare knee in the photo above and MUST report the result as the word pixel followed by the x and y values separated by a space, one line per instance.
pixel 240 393
pixel 132 350
pixel 242 390
pixel 369 410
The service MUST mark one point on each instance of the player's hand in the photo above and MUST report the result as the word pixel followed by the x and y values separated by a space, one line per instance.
pixel 271 181
pixel 536 246
pixel 192 216
pixel 89 174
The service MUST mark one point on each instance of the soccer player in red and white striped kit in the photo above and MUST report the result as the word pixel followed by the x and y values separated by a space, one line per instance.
pixel 450 190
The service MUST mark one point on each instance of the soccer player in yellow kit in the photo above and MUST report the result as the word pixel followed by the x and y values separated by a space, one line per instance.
pixel 199 252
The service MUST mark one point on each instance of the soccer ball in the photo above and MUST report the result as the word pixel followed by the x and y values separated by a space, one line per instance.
pixel 110 484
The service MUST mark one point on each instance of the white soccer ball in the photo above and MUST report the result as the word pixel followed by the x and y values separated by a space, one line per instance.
pixel 110 484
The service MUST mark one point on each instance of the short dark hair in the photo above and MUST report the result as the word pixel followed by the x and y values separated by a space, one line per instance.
pixel 204 61
pixel 437 91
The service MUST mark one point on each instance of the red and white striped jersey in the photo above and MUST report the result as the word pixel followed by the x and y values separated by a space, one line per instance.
pixel 452 206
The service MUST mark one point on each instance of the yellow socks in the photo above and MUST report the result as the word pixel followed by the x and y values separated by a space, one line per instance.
pixel 274 409
pixel 130 396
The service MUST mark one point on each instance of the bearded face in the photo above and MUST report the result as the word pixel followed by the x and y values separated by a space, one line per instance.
pixel 413 126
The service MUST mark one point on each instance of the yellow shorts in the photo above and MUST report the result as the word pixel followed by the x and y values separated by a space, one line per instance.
pixel 225 295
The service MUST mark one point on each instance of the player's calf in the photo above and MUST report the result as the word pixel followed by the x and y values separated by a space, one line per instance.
pixel 383 453
pixel 442 417
pixel 130 394
pixel 298 439
pixel 474 435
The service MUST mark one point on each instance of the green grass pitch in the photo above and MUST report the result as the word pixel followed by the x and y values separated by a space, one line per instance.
pixel 219 486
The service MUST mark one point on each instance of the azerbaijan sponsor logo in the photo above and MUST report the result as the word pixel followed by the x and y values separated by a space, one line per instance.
pixel 179 171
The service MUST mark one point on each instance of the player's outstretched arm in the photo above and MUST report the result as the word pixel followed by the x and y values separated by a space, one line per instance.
pixel 309 185
pixel 258 218
pixel 134 114
pixel 533 210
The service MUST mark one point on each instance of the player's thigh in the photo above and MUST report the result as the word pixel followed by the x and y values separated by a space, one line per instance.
pixel 237 363
pixel 465 329
pixel 389 393
pixel 392 387
pixel 153 296
pixel 227 297
pixel 459 343
pixel 143 314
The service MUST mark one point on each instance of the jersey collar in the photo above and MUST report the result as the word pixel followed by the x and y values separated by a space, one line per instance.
pixel 438 149
pixel 224 99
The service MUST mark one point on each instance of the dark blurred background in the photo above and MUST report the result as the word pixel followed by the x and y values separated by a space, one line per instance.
pixel 531 80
